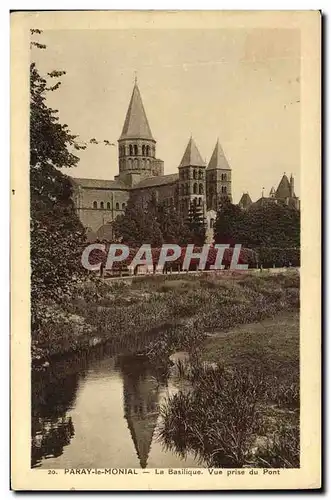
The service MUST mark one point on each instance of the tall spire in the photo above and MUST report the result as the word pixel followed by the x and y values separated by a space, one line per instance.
pixel 192 157
pixel 218 159
pixel 136 125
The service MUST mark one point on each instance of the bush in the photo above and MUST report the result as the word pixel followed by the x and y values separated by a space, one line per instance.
pixel 280 257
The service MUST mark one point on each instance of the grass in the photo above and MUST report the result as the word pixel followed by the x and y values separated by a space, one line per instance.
pixel 243 406
pixel 244 411
pixel 272 343
pixel 162 313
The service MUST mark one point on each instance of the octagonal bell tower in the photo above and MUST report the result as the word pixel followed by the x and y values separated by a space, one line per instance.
pixel 136 145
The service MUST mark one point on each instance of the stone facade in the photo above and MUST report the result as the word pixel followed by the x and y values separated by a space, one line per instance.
pixel 141 173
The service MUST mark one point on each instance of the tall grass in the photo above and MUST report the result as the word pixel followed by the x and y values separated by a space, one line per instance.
pixel 191 305
pixel 221 421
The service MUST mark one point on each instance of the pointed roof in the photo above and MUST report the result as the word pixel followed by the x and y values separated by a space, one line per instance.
pixel 136 125
pixel 218 159
pixel 284 188
pixel 245 200
pixel 192 157
pixel 142 431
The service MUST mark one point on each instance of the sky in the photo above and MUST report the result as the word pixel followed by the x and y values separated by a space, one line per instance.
pixel 241 86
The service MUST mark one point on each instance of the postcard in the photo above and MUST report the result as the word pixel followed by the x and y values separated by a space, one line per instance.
pixel 165 250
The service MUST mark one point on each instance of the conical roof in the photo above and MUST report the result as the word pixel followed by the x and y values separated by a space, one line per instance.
pixel 284 188
pixel 218 159
pixel 136 125
pixel 245 200
pixel 192 157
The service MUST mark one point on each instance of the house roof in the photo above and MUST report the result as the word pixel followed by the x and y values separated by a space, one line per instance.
pixel 245 200
pixel 99 183
pixel 136 125
pixel 159 180
pixel 192 157
pixel 218 159
pixel 284 188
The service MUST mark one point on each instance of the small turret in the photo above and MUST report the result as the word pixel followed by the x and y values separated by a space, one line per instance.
pixel 292 186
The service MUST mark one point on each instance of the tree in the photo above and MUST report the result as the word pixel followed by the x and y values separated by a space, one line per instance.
pixel 56 233
pixel 196 225
pixel 228 225
pixel 138 225
pixel 272 225
pixel 172 226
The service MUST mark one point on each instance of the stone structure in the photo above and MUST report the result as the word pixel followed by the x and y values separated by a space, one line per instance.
pixel 141 173
pixel 283 194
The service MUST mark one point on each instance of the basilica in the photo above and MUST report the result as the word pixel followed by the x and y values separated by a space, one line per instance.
pixel 141 174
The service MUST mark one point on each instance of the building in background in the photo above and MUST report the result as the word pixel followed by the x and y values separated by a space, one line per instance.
pixel 283 194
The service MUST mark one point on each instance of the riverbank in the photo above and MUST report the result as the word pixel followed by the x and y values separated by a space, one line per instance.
pixel 241 333
pixel 161 314
pixel 244 398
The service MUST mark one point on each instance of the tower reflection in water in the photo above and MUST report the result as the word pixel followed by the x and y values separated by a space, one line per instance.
pixel 58 431
pixel 141 394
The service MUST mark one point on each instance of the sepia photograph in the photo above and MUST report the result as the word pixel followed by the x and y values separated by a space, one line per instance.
pixel 164 208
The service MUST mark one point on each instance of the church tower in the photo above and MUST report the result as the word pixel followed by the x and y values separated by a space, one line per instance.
pixel 218 180
pixel 192 180
pixel 136 145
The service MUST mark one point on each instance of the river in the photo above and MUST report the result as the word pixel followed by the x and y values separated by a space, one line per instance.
pixel 100 410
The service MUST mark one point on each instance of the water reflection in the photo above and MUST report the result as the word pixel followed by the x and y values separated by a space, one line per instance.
pixel 141 391
pixel 100 410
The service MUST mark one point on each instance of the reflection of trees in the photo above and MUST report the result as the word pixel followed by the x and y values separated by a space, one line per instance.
pixel 141 390
pixel 49 436
pixel 51 428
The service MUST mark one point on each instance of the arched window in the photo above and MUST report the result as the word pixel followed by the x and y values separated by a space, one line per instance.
pixel 200 173
pixel 194 174
pixel 187 189
pixel 130 163
pixel 135 149
pixel 108 205
pixel 131 150
pixel 182 189
pixel 147 150
pixel 200 188
pixel 223 189
pixel 223 177
pixel 102 205
pixel 194 202
pixel 95 204
pixel 135 163
pixel 117 206
pixel 199 201
pixel 195 187
pixel 143 150
pixel 123 206
pixel 212 221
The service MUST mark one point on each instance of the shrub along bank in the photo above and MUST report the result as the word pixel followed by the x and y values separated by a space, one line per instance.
pixel 159 314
